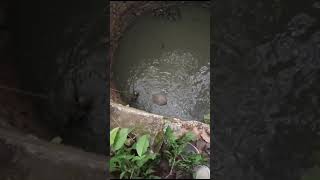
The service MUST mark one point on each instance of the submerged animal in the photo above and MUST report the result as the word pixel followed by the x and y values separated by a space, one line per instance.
pixel 159 99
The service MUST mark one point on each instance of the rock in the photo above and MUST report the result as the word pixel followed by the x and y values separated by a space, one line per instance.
pixel 197 132
pixel 56 140
pixel 159 99
pixel 202 172
pixel 201 145
pixel 190 148
pixel 205 136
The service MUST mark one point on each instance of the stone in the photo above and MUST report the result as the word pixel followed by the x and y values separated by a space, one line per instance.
pixel 159 99
pixel 56 140
pixel 201 145
pixel 202 172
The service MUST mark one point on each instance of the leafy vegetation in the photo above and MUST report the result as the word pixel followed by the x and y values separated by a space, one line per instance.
pixel 176 154
pixel 133 158
pixel 132 162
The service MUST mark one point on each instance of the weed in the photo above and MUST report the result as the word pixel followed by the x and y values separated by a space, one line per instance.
pixel 131 161
pixel 176 154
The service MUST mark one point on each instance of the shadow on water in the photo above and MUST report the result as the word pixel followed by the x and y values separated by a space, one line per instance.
pixel 267 75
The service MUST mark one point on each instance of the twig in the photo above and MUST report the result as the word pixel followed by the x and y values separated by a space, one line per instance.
pixel 115 90
pixel 174 161
pixel 131 174
pixel 126 92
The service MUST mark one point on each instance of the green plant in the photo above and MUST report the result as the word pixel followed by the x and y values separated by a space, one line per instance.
pixel 131 161
pixel 206 118
pixel 131 157
pixel 177 156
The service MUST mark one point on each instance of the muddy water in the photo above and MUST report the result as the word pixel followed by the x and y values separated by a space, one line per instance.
pixel 159 55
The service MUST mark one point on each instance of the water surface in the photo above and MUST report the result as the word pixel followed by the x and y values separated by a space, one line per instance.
pixel 157 55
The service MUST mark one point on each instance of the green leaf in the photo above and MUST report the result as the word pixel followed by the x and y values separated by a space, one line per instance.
pixel 113 134
pixel 188 137
pixel 145 158
pixel 167 153
pixel 142 145
pixel 149 171
pixel 138 158
pixel 112 164
pixel 125 156
pixel 134 146
pixel 170 136
pixel 121 138
pixel 122 174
